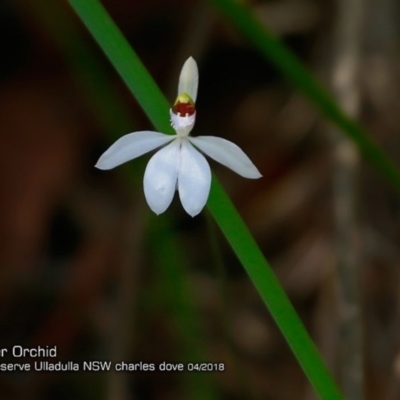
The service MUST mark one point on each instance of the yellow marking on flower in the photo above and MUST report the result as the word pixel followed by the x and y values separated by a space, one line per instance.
pixel 184 105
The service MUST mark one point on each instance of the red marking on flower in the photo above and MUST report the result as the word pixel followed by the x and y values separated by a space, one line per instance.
pixel 184 109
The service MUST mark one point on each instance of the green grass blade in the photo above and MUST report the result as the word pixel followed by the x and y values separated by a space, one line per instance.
pixel 283 58
pixel 156 107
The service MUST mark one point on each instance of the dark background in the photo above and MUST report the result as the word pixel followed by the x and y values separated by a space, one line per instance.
pixel 79 250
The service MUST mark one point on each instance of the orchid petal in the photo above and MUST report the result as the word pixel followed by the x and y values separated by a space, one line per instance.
pixel 131 146
pixel 189 79
pixel 160 177
pixel 194 179
pixel 228 154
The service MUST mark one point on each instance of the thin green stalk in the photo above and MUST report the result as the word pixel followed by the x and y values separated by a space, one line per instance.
pixel 156 107
pixel 283 58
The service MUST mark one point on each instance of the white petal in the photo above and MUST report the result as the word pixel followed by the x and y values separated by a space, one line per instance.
pixel 189 79
pixel 131 146
pixel 228 154
pixel 160 177
pixel 194 179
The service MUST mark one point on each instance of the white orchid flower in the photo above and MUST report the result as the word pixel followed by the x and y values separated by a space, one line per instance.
pixel 179 165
